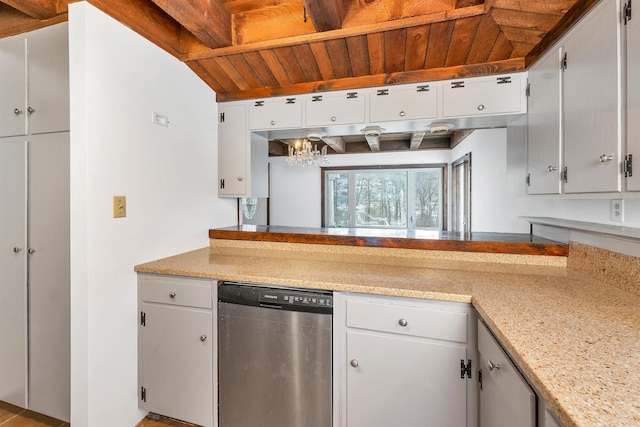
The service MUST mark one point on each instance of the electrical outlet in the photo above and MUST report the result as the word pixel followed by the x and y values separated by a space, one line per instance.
pixel 617 210
pixel 119 206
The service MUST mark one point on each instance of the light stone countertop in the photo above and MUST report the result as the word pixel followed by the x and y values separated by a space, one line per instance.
pixel 575 338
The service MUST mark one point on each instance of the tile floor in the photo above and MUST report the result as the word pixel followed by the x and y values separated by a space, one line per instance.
pixel 13 416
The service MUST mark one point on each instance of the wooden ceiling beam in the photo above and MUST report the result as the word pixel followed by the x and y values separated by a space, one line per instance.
pixel 39 9
pixel 336 143
pixel 416 140
pixel 208 20
pixel 325 15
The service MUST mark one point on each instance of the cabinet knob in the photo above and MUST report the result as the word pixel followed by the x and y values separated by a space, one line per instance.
pixel 402 322
pixel 552 168
pixel 17 249
pixel 273 122
pixel 203 338
pixel 606 158
pixel 333 118
pixel 31 110
pixel 172 295
pixel 31 251
pixel 354 363
pixel 492 365
pixel 402 113
pixel 17 112
pixel 239 178
pixel 481 107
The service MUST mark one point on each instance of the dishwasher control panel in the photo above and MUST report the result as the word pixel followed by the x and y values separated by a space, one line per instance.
pixel 276 297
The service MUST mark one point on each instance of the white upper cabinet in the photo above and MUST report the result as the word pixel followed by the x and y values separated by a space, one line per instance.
pixel 632 28
pixel 404 103
pixel 277 113
pixel 13 87
pixel 544 131
pixel 34 82
pixel 592 102
pixel 484 96
pixel 338 108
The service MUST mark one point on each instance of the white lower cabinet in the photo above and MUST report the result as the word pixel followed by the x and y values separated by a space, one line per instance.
pixel 176 355
pixel 403 362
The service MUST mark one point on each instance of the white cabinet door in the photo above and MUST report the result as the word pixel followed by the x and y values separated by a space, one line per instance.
pixel 483 96
pixel 176 362
pixel 404 103
pixel 544 132
pixel 233 151
pixel 280 113
pixel 505 397
pixel 49 275
pixel 404 381
pixel 592 102
pixel 13 271
pixel 48 106
pixel 633 101
pixel 335 109
pixel 13 87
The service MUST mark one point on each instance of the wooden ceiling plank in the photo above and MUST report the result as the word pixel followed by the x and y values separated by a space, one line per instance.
pixel 520 49
pixel 337 34
pixel 375 45
pixel 461 40
pixel 486 69
pixel 523 35
pixel 321 56
pixel 280 21
pixel 206 76
pixel 307 62
pixel 275 66
pixel 534 21
pixel 326 15
pixel 395 43
pixel 484 41
pixel 13 22
pixel 416 51
pixel 438 46
pixel 232 72
pixel 39 9
pixel 212 68
pixel 468 3
pixel 366 12
pixel 290 64
pixel 339 56
pixel 242 68
pixel 238 6
pixel 260 67
pixel 208 20
pixel 549 7
pixel 358 55
pixel 501 49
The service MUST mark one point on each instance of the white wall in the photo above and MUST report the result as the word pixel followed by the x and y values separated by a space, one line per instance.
pixel 169 178
pixel 296 192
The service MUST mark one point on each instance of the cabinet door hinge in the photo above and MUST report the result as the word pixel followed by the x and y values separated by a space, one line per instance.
pixel 528 180
pixel 564 175
pixel 143 394
pixel 457 85
pixel 465 368
pixel 221 117
pixel 503 80
pixel 528 91
pixel 563 62
pixel 290 101
pixel 382 92
pixel 352 95
pixel 480 378
pixel 222 184
pixel 143 318
pixel 628 166
pixel 626 12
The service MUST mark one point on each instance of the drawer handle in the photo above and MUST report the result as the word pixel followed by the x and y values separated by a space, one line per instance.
pixel 492 365
pixel 402 113
pixel 203 338
pixel 480 107
pixel 172 295
pixel 606 158
pixel 17 112
pixel 273 122
pixel 354 363
pixel 333 118
pixel 403 322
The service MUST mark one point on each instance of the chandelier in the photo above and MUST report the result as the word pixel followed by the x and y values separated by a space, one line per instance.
pixel 303 154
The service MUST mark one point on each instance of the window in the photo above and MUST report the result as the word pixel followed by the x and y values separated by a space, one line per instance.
pixel 385 197
pixel 461 189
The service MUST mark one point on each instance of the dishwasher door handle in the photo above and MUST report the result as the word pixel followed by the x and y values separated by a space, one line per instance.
pixel 269 305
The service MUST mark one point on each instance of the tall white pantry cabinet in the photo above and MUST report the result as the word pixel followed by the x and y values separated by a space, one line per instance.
pixel 34 221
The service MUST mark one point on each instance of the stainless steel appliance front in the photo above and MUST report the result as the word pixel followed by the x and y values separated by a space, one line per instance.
pixel 275 357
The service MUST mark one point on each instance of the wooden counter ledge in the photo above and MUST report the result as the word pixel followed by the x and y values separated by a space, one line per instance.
pixel 499 243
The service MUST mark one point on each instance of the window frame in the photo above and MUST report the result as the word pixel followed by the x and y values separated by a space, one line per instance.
pixel 444 167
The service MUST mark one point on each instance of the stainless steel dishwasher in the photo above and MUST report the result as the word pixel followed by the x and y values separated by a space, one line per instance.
pixel 274 356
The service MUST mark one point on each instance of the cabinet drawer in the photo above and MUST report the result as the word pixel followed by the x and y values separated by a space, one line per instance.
pixel 499 95
pixel 275 114
pixel 436 323
pixel 182 291
pixel 405 103
pixel 335 109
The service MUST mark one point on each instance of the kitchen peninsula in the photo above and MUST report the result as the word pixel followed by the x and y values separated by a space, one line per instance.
pixel 575 338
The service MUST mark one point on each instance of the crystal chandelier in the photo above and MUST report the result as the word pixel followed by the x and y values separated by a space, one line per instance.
pixel 303 154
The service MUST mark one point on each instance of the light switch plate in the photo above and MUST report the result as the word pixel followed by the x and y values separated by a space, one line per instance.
pixel 119 206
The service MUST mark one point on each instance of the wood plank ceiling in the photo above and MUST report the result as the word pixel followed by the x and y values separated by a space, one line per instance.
pixel 259 48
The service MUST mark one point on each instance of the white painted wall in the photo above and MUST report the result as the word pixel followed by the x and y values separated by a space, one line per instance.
pixel 296 192
pixel 169 178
